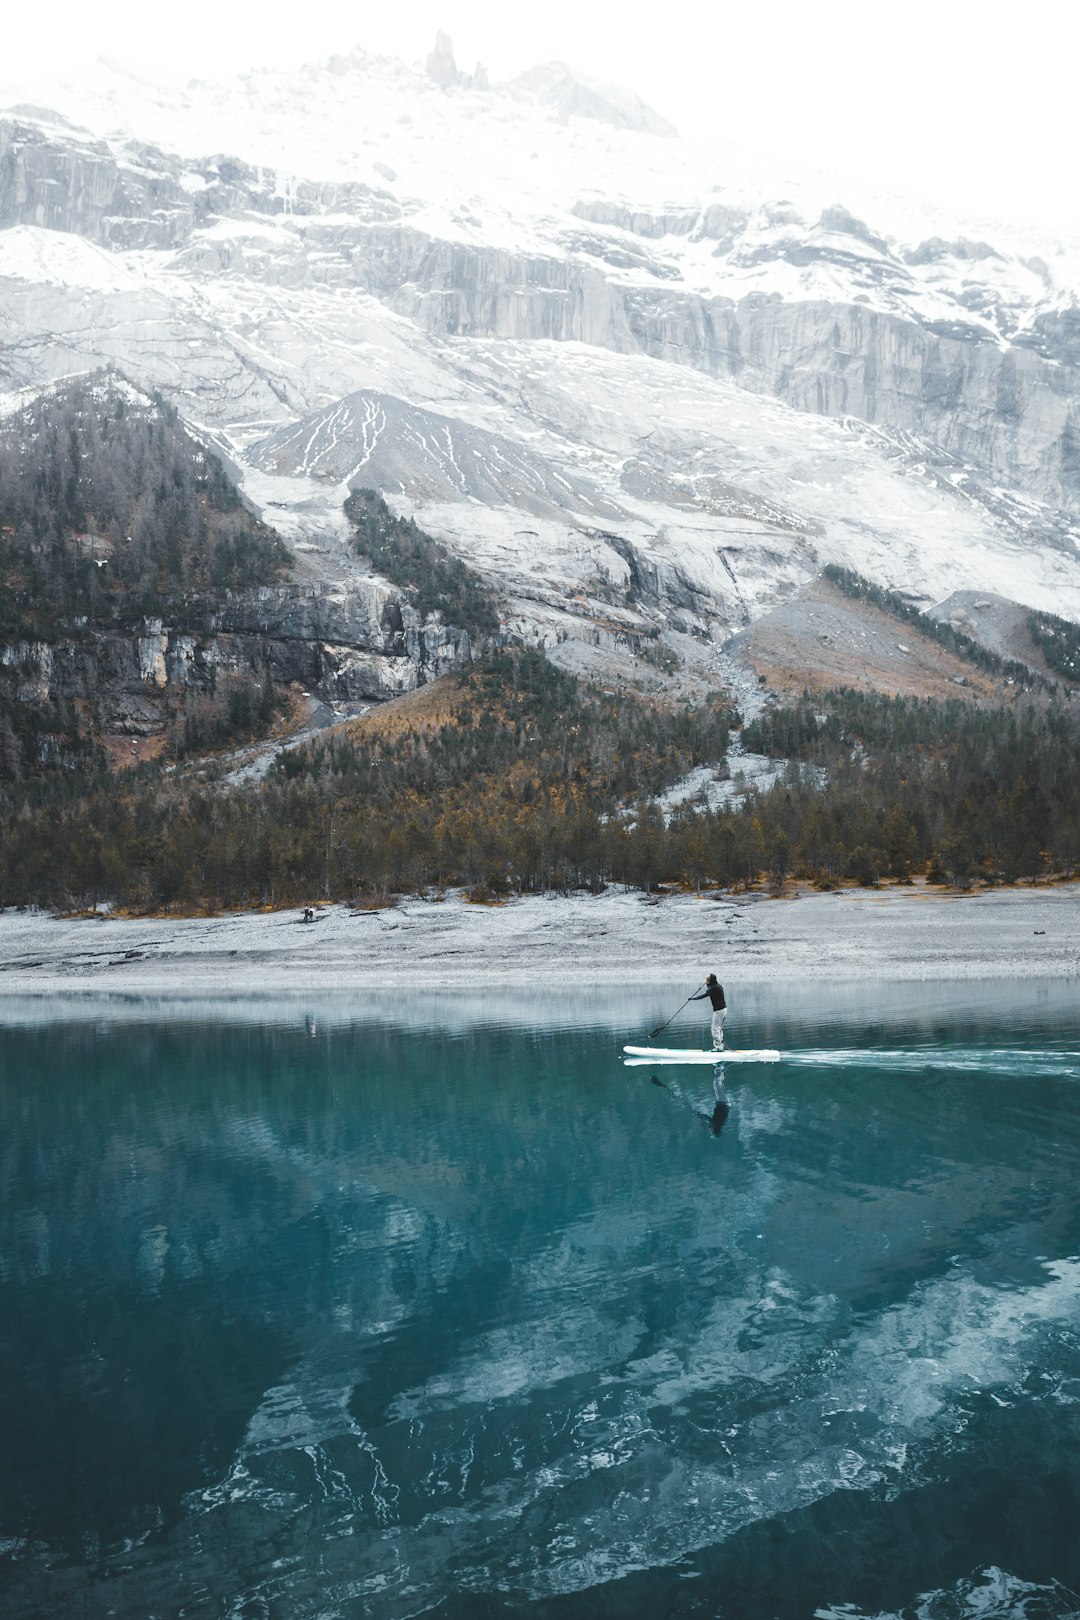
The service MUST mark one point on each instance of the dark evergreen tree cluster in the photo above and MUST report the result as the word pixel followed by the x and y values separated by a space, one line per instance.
pixel 47 735
pixel 239 706
pixel 892 786
pixel 58 734
pixel 436 581
pixel 110 511
pixel 1059 642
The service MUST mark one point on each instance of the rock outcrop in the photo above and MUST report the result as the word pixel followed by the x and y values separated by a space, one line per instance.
pixel 346 643
pixel 362 644
pixel 137 196
pixel 441 67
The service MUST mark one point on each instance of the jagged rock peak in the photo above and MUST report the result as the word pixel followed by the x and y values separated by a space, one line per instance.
pixel 568 93
pixel 935 248
pixel 440 64
pixel 442 68
pixel 839 221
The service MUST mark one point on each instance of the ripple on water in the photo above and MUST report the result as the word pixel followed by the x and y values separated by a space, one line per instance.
pixel 989 1594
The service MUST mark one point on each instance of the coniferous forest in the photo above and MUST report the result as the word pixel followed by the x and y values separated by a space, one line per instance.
pixel 537 782
pixel 110 511
pixel 113 515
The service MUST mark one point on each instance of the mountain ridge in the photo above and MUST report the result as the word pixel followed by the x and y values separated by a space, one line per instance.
pixel 674 413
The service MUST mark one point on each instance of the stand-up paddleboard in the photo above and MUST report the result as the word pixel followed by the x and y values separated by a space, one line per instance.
pixel 677 1054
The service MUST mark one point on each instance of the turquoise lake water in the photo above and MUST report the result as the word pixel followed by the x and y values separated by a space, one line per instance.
pixel 426 1304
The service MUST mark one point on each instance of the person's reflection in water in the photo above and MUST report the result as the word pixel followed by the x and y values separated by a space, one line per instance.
pixel 713 1119
pixel 722 1104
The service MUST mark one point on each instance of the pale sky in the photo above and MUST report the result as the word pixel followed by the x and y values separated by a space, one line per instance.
pixel 956 102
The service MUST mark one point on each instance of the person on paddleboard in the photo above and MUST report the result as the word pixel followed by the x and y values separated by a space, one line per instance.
pixel 715 992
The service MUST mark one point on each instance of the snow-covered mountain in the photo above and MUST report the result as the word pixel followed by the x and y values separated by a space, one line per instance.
pixel 631 381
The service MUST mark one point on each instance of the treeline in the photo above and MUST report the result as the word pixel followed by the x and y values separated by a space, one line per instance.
pixel 946 635
pixel 538 783
pixel 110 511
pixel 436 581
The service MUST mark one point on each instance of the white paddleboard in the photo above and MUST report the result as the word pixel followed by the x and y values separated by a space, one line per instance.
pixel 675 1054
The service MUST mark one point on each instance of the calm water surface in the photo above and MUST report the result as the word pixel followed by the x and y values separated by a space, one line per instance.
pixel 429 1305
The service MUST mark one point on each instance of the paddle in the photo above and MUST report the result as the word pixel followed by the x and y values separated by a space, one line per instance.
pixel 653 1033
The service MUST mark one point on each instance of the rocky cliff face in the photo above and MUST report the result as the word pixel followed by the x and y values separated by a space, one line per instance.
pixel 133 195
pixel 361 645
pixel 1009 411
pixel 360 642
pixel 1012 409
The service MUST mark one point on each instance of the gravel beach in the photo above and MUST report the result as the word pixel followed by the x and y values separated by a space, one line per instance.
pixel 906 934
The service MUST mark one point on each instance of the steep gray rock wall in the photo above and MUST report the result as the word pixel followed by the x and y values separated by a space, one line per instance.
pixel 1013 410
pixel 640 221
pixel 471 290
pixel 363 641
pixel 138 198
pixel 1003 409
pixel 80 186
pixel 360 644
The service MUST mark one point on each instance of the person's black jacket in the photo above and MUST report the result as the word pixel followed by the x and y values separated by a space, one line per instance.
pixel 715 993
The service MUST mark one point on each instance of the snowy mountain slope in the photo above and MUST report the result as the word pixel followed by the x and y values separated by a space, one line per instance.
pixel 509 148
pixel 722 495
pixel 632 398
pixel 725 500
pixel 373 440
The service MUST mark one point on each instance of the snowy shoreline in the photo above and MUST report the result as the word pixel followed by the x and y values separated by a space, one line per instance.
pixel 895 934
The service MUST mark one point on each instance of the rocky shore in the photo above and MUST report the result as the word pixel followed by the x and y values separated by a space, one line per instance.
pixel 902 934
